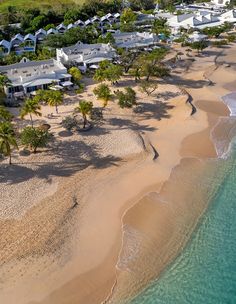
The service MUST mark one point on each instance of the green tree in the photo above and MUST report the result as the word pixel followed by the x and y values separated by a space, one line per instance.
pixel 30 107
pixel 4 81
pixel 199 45
pixel 5 115
pixel 34 138
pixel 160 27
pixel 148 87
pixel 103 92
pixel 150 65
pixel 127 19
pixel 126 99
pixel 85 108
pixel 7 139
pixel 54 99
pixel 108 71
pixel 108 38
pixel 76 74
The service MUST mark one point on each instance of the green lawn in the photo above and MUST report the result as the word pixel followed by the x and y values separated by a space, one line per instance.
pixel 43 4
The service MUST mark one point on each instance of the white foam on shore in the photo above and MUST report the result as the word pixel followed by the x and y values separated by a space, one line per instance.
pixel 230 101
pixel 223 145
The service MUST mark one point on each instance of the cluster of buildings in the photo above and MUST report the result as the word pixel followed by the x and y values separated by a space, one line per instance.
pixel 27 76
pixel 20 44
pixel 200 19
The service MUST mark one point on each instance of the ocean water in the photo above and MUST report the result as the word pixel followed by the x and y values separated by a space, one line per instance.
pixel 205 271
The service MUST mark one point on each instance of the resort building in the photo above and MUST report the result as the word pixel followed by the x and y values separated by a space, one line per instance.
pixel 199 20
pixel 86 55
pixel 135 40
pixel 5 47
pixel 27 76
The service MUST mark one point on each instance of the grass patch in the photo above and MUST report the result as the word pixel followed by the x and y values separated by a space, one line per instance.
pixel 42 4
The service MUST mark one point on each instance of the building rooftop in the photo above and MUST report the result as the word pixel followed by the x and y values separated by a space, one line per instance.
pixel 24 71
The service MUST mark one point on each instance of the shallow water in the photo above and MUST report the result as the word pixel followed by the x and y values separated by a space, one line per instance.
pixel 205 271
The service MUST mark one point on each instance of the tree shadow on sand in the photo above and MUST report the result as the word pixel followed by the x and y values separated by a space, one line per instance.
pixel 70 157
pixel 158 110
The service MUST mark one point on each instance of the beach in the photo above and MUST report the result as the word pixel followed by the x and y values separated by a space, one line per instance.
pixel 77 220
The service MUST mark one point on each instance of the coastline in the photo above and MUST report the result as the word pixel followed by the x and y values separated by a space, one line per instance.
pixel 124 181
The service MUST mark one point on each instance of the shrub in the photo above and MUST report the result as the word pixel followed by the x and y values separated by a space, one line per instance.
pixel 69 122
pixel 103 92
pixel 35 138
pixel 126 99
pixel 220 43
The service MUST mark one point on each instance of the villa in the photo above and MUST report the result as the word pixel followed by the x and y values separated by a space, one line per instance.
pixel 134 40
pixel 27 76
pixel 85 55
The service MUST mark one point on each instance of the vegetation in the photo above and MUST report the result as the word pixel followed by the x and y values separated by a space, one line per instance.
pixel 126 99
pixel 127 19
pixel 160 27
pixel 103 92
pixel 108 71
pixel 5 115
pixel 52 98
pixel 76 75
pixel 219 43
pixel 30 107
pixel 148 87
pixel 199 45
pixel 150 65
pixel 69 122
pixel 35 138
pixel 4 81
pixel 85 108
pixel 7 139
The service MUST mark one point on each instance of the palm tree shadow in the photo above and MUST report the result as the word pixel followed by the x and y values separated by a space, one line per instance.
pixel 69 158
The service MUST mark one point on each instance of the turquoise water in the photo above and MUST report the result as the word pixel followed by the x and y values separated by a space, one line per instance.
pixel 205 271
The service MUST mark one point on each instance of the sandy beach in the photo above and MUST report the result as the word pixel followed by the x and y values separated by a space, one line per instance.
pixel 131 179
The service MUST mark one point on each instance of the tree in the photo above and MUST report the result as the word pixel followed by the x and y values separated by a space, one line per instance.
pixel 127 19
pixel 31 106
pixel 54 99
pixel 126 99
pixel 199 45
pixel 7 139
pixel 108 71
pixel 127 59
pixel 160 27
pixel 85 108
pixel 76 74
pixel 4 81
pixel 34 138
pixel 5 115
pixel 108 38
pixel 103 92
pixel 148 87
pixel 150 65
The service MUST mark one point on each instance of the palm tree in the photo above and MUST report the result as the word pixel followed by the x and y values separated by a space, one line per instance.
pixel 55 98
pixel 84 108
pixel 7 139
pixel 31 106
pixel 4 81
pixel 5 115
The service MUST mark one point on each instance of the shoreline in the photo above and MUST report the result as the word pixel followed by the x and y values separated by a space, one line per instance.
pixel 212 153
pixel 141 171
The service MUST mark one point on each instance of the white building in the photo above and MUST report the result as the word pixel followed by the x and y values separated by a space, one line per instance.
pixel 85 55
pixel 134 40
pixel 198 19
pixel 220 3
pixel 29 76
